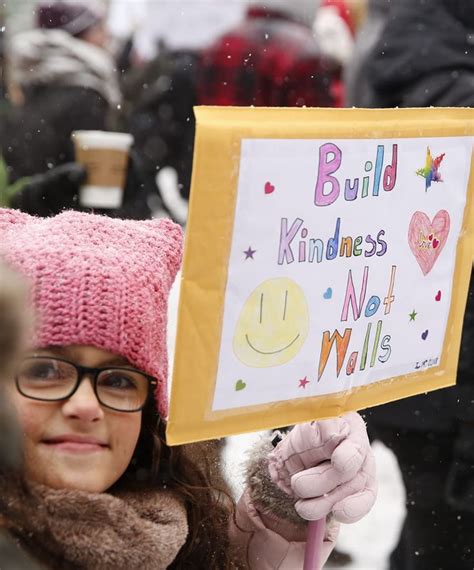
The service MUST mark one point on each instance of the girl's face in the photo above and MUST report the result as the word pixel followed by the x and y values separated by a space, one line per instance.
pixel 77 443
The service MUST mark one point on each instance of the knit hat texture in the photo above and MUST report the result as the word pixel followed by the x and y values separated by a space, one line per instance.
pixel 98 281
pixel 72 17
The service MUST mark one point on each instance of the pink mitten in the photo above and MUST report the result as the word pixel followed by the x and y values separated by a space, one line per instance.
pixel 329 467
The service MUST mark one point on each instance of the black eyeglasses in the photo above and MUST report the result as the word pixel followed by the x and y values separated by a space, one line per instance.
pixel 53 379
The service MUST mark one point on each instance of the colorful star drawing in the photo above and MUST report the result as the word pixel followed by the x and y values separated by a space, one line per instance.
pixel 303 382
pixel 249 253
pixel 412 315
pixel 430 171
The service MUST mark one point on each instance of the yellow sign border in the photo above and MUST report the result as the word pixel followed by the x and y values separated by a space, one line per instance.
pixel 204 277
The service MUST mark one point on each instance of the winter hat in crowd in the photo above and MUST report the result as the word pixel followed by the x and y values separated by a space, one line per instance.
pixel 98 281
pixel 74 17
pixel 303 11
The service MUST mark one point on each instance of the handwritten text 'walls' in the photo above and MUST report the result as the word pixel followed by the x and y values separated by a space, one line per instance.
pixel 295 245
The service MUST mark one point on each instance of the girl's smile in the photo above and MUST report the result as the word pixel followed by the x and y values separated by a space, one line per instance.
pixel 75 443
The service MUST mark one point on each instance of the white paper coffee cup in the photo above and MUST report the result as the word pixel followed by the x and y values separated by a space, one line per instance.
pixel 105 157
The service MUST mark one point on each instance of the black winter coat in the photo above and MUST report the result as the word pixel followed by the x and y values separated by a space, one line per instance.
pixel 426 57
pixel 37 136
pixel 161 117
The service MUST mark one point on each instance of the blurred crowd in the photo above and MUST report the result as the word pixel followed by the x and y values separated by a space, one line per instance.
pixel 69 72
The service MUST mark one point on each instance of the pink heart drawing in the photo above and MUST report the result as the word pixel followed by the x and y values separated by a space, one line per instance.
pixel 420 230
pixel 269 188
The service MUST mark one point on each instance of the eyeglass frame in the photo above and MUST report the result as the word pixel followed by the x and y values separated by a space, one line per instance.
pixel 93 373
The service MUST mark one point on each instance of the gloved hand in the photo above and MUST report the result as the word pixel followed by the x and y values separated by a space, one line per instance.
pixel 50 193
pixel 58 189
pixel 329 467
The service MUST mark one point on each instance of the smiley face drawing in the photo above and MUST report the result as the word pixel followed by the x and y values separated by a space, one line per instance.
pixel 272 325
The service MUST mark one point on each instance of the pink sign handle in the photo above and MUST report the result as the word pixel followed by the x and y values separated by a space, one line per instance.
pixel 314 545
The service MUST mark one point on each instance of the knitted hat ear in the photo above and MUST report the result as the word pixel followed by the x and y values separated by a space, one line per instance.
pixel 170 238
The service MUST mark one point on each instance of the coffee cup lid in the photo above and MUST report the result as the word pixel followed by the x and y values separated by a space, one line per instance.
pixel 103 139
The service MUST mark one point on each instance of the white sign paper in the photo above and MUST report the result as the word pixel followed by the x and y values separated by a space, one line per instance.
pixel 342 263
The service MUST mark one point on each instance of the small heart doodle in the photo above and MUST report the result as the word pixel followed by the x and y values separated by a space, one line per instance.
pixel 438 296
pixel 328 293
pixel 240 385
pixel 424 335
pixel 269 188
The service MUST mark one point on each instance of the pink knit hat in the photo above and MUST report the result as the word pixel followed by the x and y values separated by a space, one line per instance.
pixel 99 281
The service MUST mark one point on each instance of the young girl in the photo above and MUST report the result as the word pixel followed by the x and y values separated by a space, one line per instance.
pixel 100 488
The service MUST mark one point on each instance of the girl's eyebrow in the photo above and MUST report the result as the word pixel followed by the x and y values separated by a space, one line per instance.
pixel 49 351
pixel 64 352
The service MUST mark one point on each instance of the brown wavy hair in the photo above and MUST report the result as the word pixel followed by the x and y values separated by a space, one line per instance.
pixel 193 472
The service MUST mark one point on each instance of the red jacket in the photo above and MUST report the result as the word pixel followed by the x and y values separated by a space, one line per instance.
pixel 269 60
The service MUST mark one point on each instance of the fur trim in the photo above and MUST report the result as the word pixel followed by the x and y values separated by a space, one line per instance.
pixel 263 491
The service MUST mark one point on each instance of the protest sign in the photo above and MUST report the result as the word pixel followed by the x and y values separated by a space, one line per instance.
pixel 327 260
